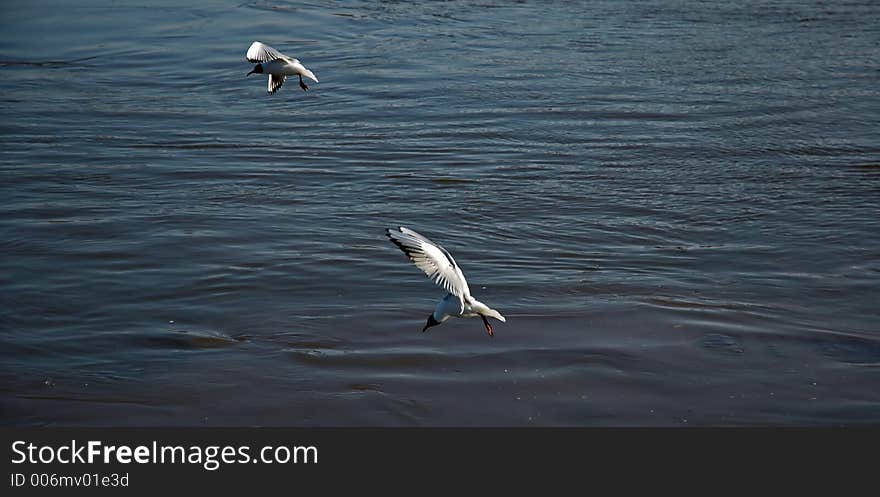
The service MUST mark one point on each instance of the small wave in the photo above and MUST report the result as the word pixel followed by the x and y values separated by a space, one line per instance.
pixel 45 63
pixel 191 145
pixel 439 181
pixel 185 339
pixel 690 304
pixel 719 342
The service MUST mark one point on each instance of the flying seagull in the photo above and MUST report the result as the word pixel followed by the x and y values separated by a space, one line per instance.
pixel 277 65
pixel 441 268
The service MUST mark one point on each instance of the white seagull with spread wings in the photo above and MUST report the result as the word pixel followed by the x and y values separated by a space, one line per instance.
pixel 441 268
pixel 277 65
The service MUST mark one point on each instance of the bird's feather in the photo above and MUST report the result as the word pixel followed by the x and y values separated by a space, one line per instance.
pixel 263 53
pixel 275 82
pixel 301 69
pixel 434 260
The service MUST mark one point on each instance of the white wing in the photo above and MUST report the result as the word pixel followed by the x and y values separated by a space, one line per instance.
pixel 431 258
pixel 262 53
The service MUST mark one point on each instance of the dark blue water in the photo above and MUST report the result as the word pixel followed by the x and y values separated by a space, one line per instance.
pixel 675 204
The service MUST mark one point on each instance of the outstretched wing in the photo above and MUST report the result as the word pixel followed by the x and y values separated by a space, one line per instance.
pixel 262 53
pixel 431 258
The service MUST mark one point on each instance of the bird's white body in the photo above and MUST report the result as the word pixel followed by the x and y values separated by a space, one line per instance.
pixel 277 66
pixel 287 67
pixel 452 306
pixel 439 265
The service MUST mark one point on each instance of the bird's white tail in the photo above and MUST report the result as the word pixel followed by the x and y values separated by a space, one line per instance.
pixel 492 313
pixel 485 310
pixel 305 72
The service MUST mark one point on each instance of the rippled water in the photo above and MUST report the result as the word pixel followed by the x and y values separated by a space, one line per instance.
pixel 675 204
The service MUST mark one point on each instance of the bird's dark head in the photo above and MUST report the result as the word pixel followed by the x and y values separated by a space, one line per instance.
pixel 257 69
pixel 431 322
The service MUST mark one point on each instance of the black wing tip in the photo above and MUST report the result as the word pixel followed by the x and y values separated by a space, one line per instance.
pixel 400 245
pixel 409 251
pixel 389 232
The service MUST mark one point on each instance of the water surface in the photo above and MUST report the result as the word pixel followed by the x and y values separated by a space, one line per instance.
pixel 675 204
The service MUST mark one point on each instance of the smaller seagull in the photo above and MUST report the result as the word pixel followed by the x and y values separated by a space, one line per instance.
pixel 441 268
pixel 277 65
